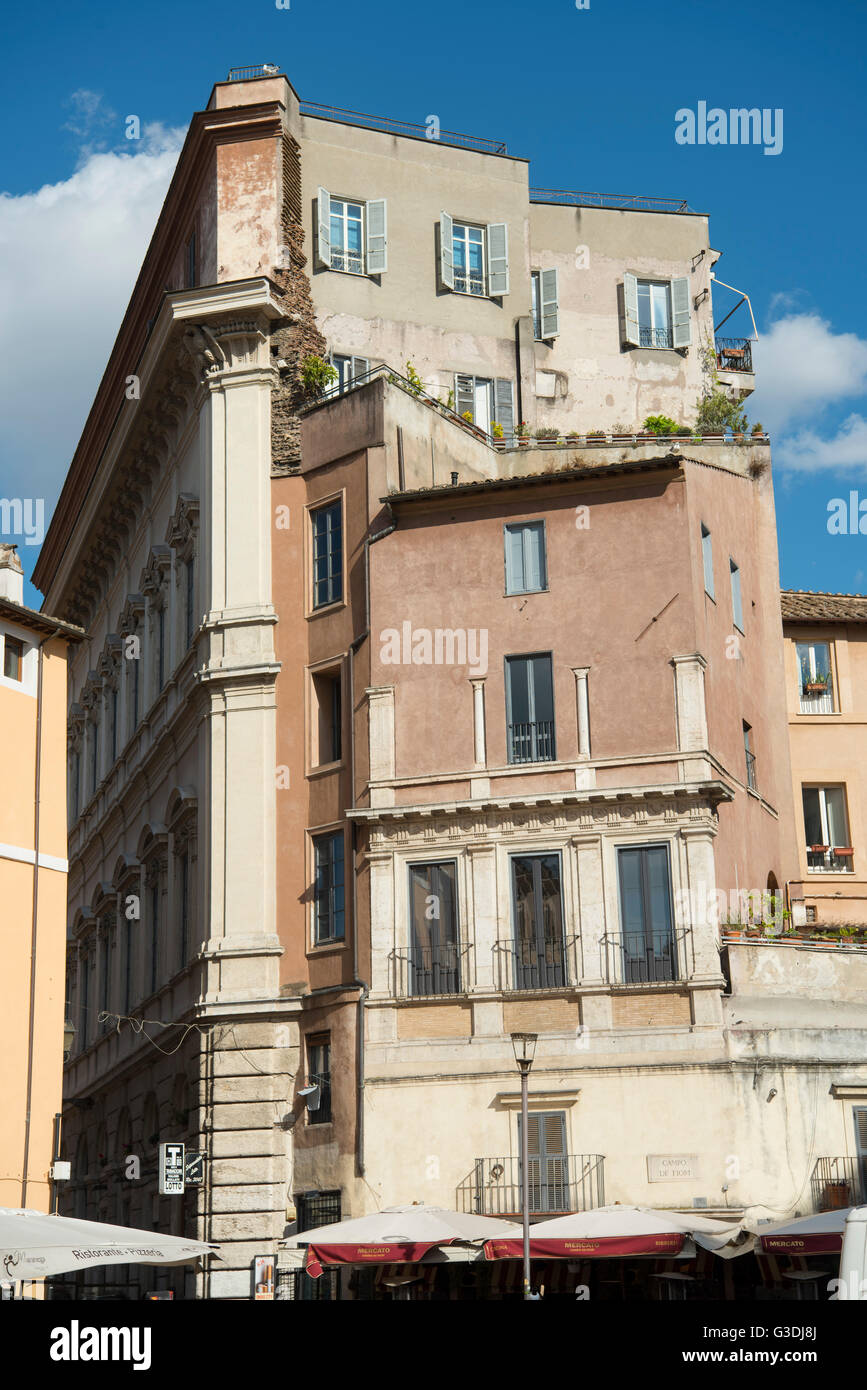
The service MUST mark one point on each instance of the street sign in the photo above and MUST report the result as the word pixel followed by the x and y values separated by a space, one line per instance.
pixel 194 1167
pixel 171 1170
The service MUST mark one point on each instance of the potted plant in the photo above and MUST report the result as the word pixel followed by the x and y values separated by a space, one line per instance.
pixel 621 435
pixel 661 425
pixel 843 851
pixel 837 1194
pixel 595 436
pixel 816 685
pixel 317 375
pixel 819 849
pixel 758 433
pixel 497 435
pixel 547 435
pixel 573 438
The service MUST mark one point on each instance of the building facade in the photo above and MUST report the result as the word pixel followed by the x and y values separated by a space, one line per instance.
pixel 33 664
pixel 399 732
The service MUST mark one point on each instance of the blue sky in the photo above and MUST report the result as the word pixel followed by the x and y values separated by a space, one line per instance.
pixel 589 95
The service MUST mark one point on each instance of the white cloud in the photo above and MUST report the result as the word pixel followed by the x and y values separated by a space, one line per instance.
pixel 806 451
pixel 802 367
pixel 69 256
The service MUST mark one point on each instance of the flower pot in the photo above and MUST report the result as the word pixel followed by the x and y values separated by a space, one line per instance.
pixel 573 439
pixel 523 441
pixel 815 687
pixel 818 849
pixel 836 1195
pixel 843 851
pixel 596 439
pixel 713 436
pixel 499 443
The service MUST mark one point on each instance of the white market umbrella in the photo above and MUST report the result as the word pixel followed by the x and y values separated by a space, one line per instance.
pixel 396 1235
pixel 608 1232
pixel 34 1245
pixel 806 1235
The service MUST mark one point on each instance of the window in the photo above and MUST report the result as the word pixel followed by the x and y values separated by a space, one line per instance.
pixel 352 235
pixel 537 917
pixel 106 942
pixel 189 600
pixel 327 720
pixel 707 559
pixel 94 756
pixel 859 1115
pixel 752 780
pixel 547 1161
pixel 546 304
pixel 319 1074
pixel 76 783
pixel 525 557
pixel 161 647
pixel 85 958
pixel 648 944
pixel 815 684
pixel 737 601
pixel 154 890
pixel 434 964
pixel 327 525
pixel 657 312
pixel 530 709
pixel 474 259
pixel 184 906
pixel 486 400
pixel 112 724
pixel 128 944
pixel 328 892
pixel 349 370
pixel 13 658
pixel 826 828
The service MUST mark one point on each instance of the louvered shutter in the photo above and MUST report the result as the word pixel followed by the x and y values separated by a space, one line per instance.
pixel 447 255
pixel 515 560
pixel 360 367
pixel 550 303
pixel 534 562
pixel 498 258
pixel 682 327
pixel 630 307
pixel 323 216
pixel 377 242
pixel 504 410
pixel 859 1115
pixel 465 394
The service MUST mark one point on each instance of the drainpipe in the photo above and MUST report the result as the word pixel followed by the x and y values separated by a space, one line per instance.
pixel 34 926
pixel 363 986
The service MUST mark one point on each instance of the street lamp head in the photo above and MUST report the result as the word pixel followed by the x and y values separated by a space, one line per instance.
pixel 524 1047
pixel 68 1037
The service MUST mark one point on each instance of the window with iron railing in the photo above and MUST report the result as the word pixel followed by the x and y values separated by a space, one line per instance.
pixel 815 684
pixel 646 944
pixel 538 947
pixel 530 709
pixel 434 961
pixel 749 755
pixel 826 829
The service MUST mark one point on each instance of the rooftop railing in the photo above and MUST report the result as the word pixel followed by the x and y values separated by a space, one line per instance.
pixel 387 124
pixel 637 202
pixel 254 70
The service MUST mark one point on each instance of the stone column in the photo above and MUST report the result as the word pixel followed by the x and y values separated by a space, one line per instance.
pixel 482 894
pixel 691 714
pixel 596 1006
pixel 582 702
pixel 382 925
pixel 479 748
pixel 699 949
pixel 380 720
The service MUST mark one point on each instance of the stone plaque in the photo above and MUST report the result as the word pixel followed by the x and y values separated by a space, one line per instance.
pixel 671 1167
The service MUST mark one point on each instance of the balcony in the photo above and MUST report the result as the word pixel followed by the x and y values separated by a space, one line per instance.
pixel 559 1184
pixel 424 972
pixel 646 958
pixel 531 965
pixel 532 743
pixel 734 364
pixel 830 859
pixel 839 1182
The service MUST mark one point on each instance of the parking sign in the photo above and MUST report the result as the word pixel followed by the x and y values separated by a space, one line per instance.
pixel 171 1170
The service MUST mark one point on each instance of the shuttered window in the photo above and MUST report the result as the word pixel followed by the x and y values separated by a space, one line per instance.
pixel 352 235
pixel 525 557
pixel 737 601
pixel 859 1115
pixel 350 371
pixel 474 259
pixel 548 1164
pixel 707 559
pixel 546 304
pixel 657 313
pixel 486 401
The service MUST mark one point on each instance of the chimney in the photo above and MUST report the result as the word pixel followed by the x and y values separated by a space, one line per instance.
pixel 11 574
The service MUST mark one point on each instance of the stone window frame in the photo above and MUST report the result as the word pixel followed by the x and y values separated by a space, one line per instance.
pixel 155 585
pixel 76 721
pixel 182 536
pixel 91 701
pixel 127 880
pixel 182 819
pixel 83 947
pixel 153 854
pixel 131 623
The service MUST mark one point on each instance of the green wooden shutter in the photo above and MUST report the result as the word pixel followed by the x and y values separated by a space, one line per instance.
pixel 680 313
pixel 549 296
pixel 377 242
pixel 630 307
pixel 323 217
pixel 498 258
pixel 504 410
pixel 447 256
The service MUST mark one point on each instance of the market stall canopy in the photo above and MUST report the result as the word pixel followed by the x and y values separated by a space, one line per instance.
pixel 806 1235
pixel 609 1232
pixel 397 1235
pixel 35 1245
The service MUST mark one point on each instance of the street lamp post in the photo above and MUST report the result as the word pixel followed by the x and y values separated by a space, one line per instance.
pixel 524 1045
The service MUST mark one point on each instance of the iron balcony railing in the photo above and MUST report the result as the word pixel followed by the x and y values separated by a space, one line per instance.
pixel 532 743
pixel 636 201
pixel 255 70
pixel 734 354
pixel 530 964
pixel 385 123
pixel 830 859
pixel 421 971
pixel 469 284
pixel 816 701
pixel 839 1182
pixel 646 958
pixel 559 1183
pixel 752 779
pixel 655 337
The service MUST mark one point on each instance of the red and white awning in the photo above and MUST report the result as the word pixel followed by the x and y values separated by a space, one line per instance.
pixel 397 1235
pixel 617 1231
pixel 806 1235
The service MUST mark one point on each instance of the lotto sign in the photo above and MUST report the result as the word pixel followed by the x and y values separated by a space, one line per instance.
pixel 171 1170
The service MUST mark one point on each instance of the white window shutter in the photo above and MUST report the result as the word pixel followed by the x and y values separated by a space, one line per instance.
pixel 323 216
pixel 630 306
pixel 465 397
pixel 377 241
pixel 680 315
pixel 550 305
pixel 360 367
pixel 498 258
pixel 504 408
pixel 447 255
